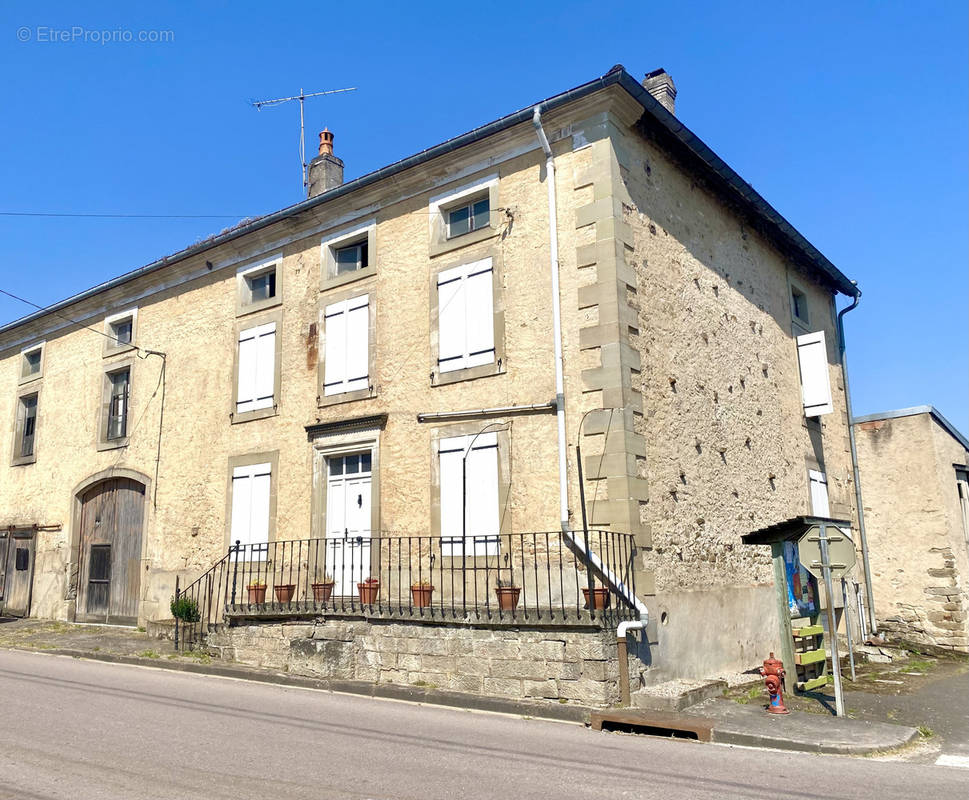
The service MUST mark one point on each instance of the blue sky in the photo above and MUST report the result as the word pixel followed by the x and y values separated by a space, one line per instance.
pixel 851 119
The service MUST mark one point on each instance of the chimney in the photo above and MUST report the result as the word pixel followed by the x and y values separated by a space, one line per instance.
pixel 326 170
pixel 660 85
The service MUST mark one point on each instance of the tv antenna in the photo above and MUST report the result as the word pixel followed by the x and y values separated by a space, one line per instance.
pixel 260 104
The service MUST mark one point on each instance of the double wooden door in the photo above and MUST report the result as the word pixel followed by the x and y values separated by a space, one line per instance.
pixel 109 558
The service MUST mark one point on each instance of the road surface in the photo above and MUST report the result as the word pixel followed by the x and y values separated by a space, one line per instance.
pixel 87 730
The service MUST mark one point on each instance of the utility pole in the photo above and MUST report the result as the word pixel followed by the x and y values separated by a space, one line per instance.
pixel 302 96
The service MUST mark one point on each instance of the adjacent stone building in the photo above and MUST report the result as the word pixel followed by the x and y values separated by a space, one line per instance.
pixel 914 466
pixel 417 355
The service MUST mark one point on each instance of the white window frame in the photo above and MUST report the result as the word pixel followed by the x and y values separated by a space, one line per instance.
pixel 469 539
pixel 254 401
pixel 812 359
pixel 441 204
pixel 469 357
pixel 252 533
pixel 335 339
pixel 364 232
pixel 244 276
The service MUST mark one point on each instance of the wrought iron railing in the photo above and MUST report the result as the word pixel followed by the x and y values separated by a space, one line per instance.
pixel 519 578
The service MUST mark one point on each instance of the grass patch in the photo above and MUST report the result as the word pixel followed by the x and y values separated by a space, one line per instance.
pixel 926 732
pixel 148 654
pixel 918 665
pixel 752 694
pixel 424 684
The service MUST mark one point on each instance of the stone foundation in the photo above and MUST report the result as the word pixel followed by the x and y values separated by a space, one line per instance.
pixel 575 665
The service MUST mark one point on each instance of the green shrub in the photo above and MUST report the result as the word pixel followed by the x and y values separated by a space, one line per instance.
pixel 185 608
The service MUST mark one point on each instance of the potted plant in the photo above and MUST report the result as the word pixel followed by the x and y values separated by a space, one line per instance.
pixel 368 591
pixel 284 592
pixel 600 597
pixel 508 595
pixel 323 590
pixel 421 592
pixel 185 609
pixel 257 591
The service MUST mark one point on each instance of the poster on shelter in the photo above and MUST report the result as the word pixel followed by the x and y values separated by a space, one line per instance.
pixel 802 586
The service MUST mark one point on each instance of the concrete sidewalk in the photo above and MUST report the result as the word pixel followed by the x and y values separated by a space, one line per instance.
pixel 722 721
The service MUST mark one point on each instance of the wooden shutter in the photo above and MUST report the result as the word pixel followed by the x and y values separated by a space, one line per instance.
pixel 480 318
pixel 477 534
pixel 451 330
pixel 250 509
pixel 819 493
pixel 257 368
pixel 346 357
pixel 451 451
pixel 812 357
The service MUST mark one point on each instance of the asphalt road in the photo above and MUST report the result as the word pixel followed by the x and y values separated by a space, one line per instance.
pixel 89 730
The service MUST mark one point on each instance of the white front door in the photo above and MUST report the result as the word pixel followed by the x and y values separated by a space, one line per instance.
pixel 348 521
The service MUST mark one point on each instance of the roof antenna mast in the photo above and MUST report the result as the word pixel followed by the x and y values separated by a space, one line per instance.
pixel 260 104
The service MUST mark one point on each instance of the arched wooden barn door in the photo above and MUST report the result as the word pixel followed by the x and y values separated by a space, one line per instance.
pixel 109 557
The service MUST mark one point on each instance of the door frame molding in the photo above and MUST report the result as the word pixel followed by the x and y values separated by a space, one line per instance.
pixel 342 443
pixel 73 566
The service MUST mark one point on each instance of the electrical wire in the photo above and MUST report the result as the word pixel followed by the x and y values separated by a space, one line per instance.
pixel 118 216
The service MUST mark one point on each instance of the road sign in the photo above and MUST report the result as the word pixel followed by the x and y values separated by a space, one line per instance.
pixel 841 551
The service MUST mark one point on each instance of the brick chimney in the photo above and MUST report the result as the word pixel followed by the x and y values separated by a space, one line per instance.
pixel 326 170
pixel 659 83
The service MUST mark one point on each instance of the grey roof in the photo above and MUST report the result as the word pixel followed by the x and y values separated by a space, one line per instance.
pixel 914 411
pixel 789 528
pixel 656 121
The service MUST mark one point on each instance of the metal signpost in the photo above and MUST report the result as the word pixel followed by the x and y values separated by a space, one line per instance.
pixel 829 555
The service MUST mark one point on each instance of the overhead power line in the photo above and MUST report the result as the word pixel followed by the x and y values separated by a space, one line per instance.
pixel 118 216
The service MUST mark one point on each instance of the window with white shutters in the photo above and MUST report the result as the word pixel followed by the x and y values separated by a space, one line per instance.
pixel 469 495
pixel 466 328
pixel 257 368
pixel 819 493
pixel 346 358
pixel 250 510
pixel 812 357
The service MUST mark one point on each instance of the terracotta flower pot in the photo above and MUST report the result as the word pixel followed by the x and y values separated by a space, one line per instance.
pixel 257 594
pixel 600 597
pixel 284 592
pixel 508 597
pixel 322 592
pixel 421 596
pixel 368 591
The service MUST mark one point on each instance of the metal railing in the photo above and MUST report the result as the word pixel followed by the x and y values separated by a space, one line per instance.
pixel 520 578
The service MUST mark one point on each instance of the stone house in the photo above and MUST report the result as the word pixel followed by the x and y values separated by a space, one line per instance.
pixel 394 379
pixel 914 465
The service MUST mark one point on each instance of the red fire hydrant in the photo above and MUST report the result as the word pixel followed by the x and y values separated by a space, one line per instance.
pixel 773 672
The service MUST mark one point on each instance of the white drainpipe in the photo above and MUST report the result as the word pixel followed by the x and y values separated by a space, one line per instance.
pixel 617 585
pixel 553 251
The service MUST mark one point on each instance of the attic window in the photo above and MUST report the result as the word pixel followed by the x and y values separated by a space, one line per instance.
pixel 259 285
pixel 120 332
pixel 799 306
pixel 32 363
pixel 352 257
pixel 470 216
pixel 262 286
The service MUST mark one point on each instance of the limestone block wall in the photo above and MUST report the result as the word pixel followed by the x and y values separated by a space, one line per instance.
pixel 572 665
pixel 919 559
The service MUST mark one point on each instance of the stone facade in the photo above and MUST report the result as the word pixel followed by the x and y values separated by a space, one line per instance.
pixel 916 526
pixel 681 385
pixel 554 664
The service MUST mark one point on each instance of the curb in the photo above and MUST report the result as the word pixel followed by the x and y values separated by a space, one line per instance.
pixel 384 691
pixel 823 748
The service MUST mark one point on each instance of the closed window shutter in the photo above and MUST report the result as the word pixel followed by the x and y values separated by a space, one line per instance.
pixel 335 354
pixel 480 323
pixel 257 368
pixel 358 343
pixel 812 357
pixel 250 509
pixel 477 495
pixel 452 333
pixel 346 358
pixel 819 493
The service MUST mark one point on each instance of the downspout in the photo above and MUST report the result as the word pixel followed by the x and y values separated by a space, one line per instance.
pixel 869 592
pixel 595 561
pixel 553 257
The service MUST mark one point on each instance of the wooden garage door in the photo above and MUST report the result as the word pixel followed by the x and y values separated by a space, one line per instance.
pixel 109 575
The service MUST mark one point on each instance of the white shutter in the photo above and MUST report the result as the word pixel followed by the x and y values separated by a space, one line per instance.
pixel 358 343
pixel 452 334
pixel 482 504
pixel 479 319
pixel 257 368
pixel 250 509
pixel 346 359
pixel 451 451
pixel 819 493
pixel 335 354
pixel 812 357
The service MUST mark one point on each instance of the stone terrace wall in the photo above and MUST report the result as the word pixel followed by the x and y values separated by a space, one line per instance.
pixel 557 664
